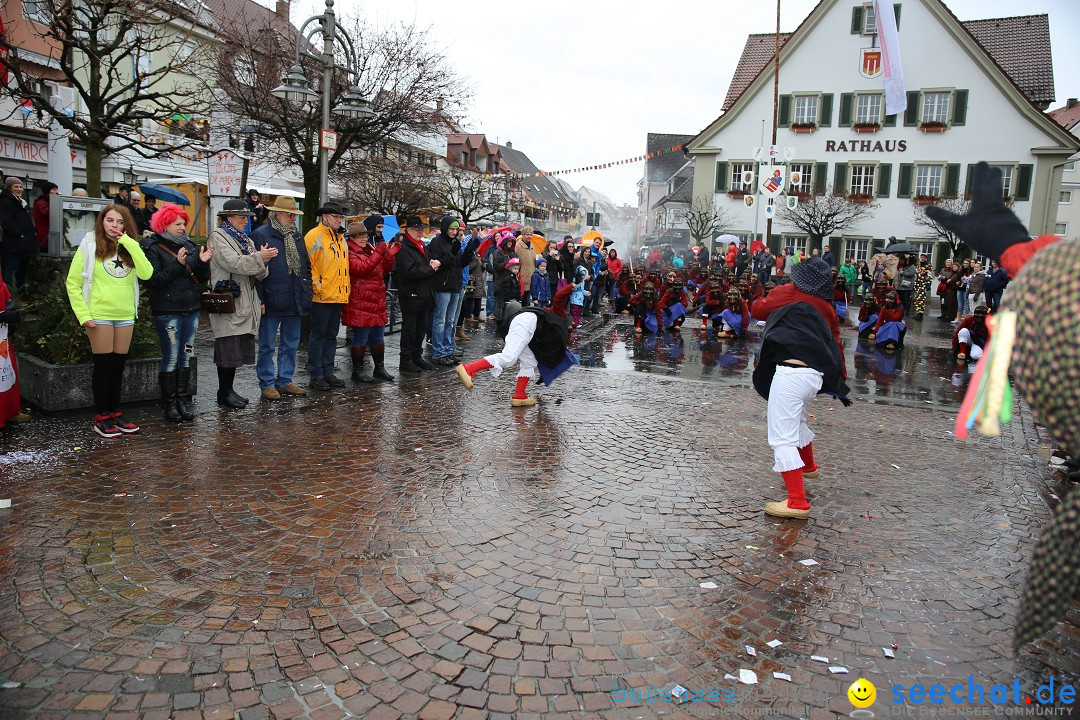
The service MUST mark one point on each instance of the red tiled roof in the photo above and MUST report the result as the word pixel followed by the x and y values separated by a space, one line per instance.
pixel 1067 116
pixel 1019 45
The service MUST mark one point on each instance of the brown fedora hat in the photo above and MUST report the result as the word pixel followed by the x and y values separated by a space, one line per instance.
pixel 285 204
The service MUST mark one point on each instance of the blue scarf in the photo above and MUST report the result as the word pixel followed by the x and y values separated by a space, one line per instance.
pixel 246 246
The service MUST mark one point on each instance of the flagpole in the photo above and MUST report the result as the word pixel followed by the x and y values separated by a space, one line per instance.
pixel 775 108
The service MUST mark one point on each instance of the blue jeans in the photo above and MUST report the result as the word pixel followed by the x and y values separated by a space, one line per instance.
pixel 490 297
pixel 322 338
pixel 963 307
pixel 284 347
pixel 443 321
pixel 365 336
pixel 177 336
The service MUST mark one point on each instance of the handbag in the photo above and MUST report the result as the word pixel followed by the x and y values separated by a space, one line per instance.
pixel 218 302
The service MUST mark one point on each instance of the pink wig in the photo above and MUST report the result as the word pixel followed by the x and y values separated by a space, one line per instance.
pixel 166 215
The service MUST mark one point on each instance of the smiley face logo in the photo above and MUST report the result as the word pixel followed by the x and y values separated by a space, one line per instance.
pixel 862 693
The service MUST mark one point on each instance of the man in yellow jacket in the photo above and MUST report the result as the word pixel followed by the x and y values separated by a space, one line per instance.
pixel 329 257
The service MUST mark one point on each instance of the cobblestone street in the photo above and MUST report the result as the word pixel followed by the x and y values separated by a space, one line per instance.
pixel 411 550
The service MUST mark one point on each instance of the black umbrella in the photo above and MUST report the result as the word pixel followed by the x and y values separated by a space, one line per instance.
pixel 901 249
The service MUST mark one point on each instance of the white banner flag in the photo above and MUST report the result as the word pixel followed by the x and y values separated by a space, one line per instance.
pixel 893 71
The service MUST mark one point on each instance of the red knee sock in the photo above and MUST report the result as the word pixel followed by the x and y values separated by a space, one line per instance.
pixel 964 349
pixel 476 366
pixel 519 391
pixel 796 493
pixel 807 455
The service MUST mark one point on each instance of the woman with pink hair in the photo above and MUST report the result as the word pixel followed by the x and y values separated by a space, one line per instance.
pixel 180 268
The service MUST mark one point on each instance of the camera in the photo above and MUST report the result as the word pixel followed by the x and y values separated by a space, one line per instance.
pixel 229 286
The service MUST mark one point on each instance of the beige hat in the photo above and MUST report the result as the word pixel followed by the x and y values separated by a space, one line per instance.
pixel 285 204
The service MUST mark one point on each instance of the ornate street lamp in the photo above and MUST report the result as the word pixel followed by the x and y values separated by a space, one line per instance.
pixel 296 91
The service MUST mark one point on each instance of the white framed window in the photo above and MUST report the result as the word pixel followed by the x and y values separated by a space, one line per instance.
pixel 798 242
pixel 806 178
pixel 1061 229
pixel 806 110
pixel 927 249
pixel 857 249
pixel 38 11
pixel 928 179
pixel 1007 172
pixel 737 170
pixel 862 179
pixel 185 51
pixel 868 109
pixel 1070 166
pixel 935 107
pixel 1065 197
pixel 869 20
pixel 245 70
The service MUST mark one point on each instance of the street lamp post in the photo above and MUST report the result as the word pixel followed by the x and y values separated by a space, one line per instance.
pixel 296 91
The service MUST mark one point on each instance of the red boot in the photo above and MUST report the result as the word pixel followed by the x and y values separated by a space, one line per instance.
pixel 520 399
pixel 810 468
pixel 468 371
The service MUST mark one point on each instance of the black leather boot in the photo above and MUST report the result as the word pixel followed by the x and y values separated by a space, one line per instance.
pixel 359 372
pixel 167 381
pixel 183 394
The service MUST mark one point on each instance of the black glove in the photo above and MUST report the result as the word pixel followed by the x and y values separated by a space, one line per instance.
pixel 472 245
pixel 989 227
pixel 845 401
pixel 11 318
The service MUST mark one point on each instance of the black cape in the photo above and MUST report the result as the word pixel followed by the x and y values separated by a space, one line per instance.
pixel 550 339
pixel 798 332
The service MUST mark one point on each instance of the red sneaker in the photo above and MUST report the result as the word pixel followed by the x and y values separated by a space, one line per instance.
pixel 125 426
pixel 106 427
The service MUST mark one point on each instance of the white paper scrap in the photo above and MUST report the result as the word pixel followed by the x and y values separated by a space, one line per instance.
pixel 5 503
pixel 729 676
pixel 678 692
pixel 709 585
pixel 838 670
pixel 774 643
pixel 9 685
pixel 781 676
pixel 819 658
pixel 808 563
pixel 895 465
pixel 888 652
pixel 747 677
pixel 751 651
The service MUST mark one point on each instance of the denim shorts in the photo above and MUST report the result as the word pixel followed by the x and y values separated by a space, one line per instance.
pixel 115 323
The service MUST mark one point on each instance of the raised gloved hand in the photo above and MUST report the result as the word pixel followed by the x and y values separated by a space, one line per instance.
pixel 989 227
pixel 11 318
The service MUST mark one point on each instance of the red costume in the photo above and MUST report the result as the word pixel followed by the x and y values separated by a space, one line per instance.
pixel 788 294
pixel 889 314
pixel 9 379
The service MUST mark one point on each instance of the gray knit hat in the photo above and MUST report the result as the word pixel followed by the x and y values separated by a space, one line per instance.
pixel 814 277
pixel 11 181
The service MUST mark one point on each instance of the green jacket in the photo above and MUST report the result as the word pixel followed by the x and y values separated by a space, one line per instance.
pixel 850 273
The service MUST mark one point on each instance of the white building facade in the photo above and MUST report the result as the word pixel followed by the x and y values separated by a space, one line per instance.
pixel 962 108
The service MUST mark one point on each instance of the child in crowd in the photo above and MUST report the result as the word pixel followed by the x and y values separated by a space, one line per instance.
pixel 577 297
pixel 541 286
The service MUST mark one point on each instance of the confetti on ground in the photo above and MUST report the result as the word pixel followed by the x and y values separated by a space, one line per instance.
pixel 747 677
pixel 678 692
pixel 774 643
pixel 895 466
pixel 752 547
pixel 887 652
pixel 782 676
pixel 838 670
pixel 710 585
pixel 751 651
pixel 820 659
pixel 120 494
pixel 808 563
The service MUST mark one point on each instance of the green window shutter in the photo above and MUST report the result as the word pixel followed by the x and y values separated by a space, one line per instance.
pixel 840 179
pixel 784 119
pixel 903 184
pixel 911 115
pixel 846 101
pixel 825 110
pixel 821 175
pixel 1022 191
pixel 721 176
pixel 968 181
pixel 890 121
pixel 952 180
pixel 959 110
pixel 857 20
pixel 884 180
pixel 896 14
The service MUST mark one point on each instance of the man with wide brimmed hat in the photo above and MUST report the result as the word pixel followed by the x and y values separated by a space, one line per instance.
pixel 329 257
pixel 285 296
pixel 801 355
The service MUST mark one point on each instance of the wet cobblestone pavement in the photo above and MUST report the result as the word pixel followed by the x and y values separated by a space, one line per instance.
pixel 416 551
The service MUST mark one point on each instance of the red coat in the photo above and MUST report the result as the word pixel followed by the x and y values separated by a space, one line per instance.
pixel 788 294
pixel 732 253
pixel 367 296
pixel 888 314
pixel 969 323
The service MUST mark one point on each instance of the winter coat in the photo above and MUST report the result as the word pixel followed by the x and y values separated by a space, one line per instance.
pixel 41 221
pixel 175 289
pixel 540 289
pixel 230 263
pixel 283 293
pixel 20 237
pixel 850 273
pixel 977 283
pixel 413 277
pixel 367 297
pixel 997 281
pixel 477 278
pixel 499 258
pixel 508 287
pixel 614 266
pixel 566 261
pixel 329 265
pixel 448 251
pixel 527 255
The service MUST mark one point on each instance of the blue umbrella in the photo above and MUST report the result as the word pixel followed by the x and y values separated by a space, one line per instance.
pixel 390 228
pixel 165 194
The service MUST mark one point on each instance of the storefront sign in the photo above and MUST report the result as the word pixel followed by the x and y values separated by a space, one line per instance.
pixel 226 171
pixel 865 145
pixel 35 152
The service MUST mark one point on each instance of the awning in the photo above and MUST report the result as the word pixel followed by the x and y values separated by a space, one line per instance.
pixel 264 190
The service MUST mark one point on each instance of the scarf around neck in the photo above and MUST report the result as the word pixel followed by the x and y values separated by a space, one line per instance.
pixel 246 246
pixel 292 254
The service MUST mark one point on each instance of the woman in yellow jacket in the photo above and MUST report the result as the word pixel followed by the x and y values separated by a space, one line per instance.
pixel 104 294
pixel 329 257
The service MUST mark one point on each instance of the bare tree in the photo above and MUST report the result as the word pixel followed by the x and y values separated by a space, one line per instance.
pixel 409 83
pixel 705 219
pixel 471 196
pixel 935 229
pixel 822 215
pixel 387 187
pixel 128 61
